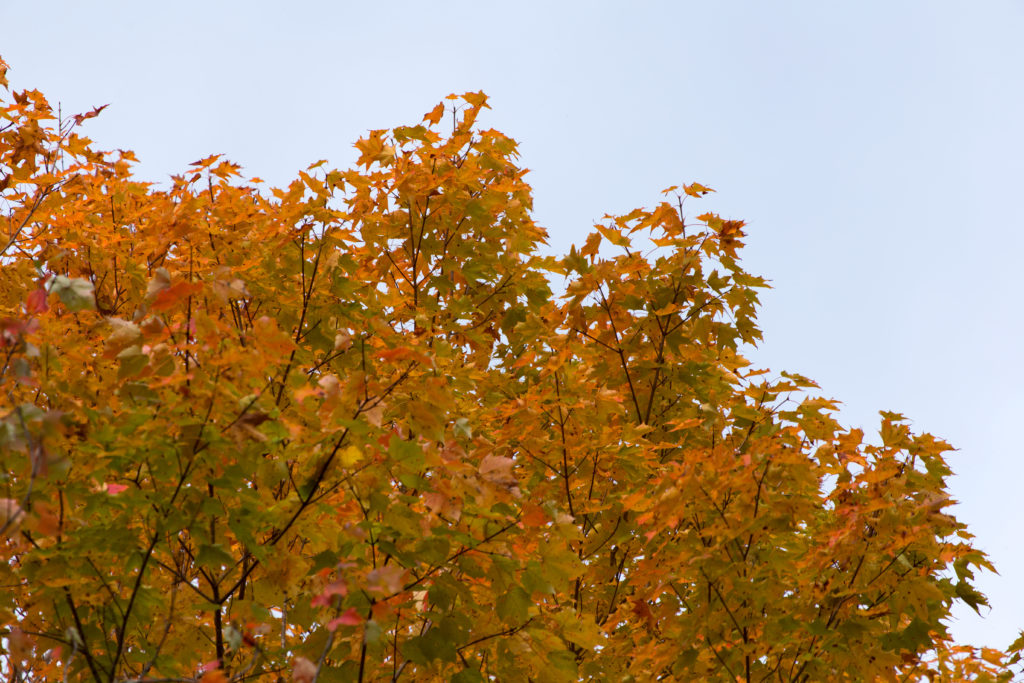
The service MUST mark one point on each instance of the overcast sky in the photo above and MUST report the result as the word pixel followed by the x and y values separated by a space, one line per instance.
pixel 875 148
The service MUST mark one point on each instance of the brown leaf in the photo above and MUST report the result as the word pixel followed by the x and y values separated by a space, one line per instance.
pixel 498 470
pixel 303 670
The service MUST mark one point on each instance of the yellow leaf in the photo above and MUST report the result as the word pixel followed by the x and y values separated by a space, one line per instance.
pixel 350 456
pixel 125 334
pixel 667 309
pixel 477 99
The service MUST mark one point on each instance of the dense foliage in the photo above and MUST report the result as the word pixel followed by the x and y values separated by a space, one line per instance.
pixel 362 428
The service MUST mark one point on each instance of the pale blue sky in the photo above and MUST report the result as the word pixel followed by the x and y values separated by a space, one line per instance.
pixel 875 148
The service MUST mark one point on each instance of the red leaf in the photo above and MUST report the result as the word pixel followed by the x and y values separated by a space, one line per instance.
pixel 89 114
pixel 209 666
pixel 36 302
pixel 348 618
pixel 335 588
pixel 386 580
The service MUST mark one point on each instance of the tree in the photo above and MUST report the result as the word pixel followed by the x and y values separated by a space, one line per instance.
pixel 362 428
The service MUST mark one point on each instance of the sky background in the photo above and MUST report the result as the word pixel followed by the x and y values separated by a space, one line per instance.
pixel 876 150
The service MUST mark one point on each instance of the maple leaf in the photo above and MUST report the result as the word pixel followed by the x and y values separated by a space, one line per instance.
pixel 348 618
pixel 435 114
pixel 214 676
pixel 498 470
pixel 125 334
pixel 92 113
pixel 386 580
pixel 35 302
pixel 696 190
pixel 11 515
pixel 303 670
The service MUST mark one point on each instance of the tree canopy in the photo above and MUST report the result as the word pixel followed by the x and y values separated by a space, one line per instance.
pixel 363 427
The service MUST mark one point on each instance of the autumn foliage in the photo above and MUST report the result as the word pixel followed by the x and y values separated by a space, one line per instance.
pixel 363 428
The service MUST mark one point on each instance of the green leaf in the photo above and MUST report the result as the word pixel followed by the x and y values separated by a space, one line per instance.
pixel 437 643
pixel 324 560
pixel 974 598
pixel 433 550
pixel 686 658
pixel 513 606
pixel 214 557
pixel 132 360
pixel 75 293
pixel 373 632
pixel 467 676
pixel 916 637
pixel 462 428
pixel 406 452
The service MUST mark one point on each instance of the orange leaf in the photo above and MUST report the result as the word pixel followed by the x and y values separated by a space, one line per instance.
pixel 696 190
pixel 214 676
pixel 534 516
pixel 170 296
pixel 435 114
